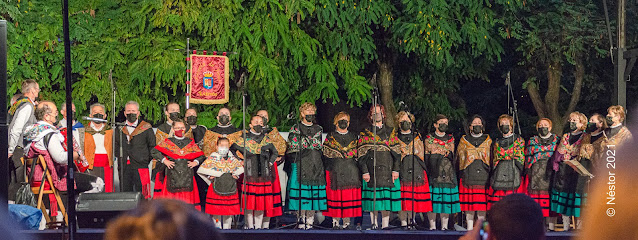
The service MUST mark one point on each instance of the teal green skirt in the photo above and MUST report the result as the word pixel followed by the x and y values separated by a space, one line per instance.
pixel 445 200
pixel 312 197
pixel 388 199
pixel 568 204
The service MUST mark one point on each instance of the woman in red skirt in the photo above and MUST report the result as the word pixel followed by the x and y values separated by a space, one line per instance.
pixel 507 162
pixel 539 151
pixel 473 156
pixel 343 182
pixel 260 187
pixel 179 155
pixel 415 189
pixel 221 171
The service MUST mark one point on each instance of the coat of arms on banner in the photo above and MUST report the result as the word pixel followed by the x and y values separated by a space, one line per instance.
pixel 209 79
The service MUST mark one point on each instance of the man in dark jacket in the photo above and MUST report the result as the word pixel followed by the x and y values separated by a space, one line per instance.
pixel 137 142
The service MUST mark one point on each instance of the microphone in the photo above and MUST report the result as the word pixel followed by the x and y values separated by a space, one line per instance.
pixel 95 119
pixel 290 115
pixel 373 82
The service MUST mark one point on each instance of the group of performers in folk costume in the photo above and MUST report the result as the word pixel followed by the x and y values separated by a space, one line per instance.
pixel 227 172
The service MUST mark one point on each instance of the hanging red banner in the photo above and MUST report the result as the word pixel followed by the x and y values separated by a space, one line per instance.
pixel 209 79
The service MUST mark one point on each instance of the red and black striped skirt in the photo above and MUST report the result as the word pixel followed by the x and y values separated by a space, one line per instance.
pixel 473 198
pixel 343 203
pixel 497 195
pixel 262 196
pixel 190 197
pixel 222 205
pixel 416 197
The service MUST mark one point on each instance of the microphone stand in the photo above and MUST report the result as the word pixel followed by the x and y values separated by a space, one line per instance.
pixel 412 221
pixel 120 172
pixel 510 95
pixel 375 103
pixel 299 192
pixel 514 112
pixel 243 181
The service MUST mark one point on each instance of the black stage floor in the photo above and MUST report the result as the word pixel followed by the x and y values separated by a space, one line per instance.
pixel 97 234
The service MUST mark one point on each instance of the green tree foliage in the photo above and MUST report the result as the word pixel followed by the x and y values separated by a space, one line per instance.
pixel 290 51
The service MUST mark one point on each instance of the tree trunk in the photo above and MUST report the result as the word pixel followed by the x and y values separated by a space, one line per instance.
pixel 552 97
pixel 579 76
pixel 385 83
pixel 537 101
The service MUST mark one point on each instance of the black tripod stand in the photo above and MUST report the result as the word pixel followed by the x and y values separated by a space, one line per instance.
pixel 375 105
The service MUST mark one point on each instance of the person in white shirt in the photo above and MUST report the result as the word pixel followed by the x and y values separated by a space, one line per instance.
pixel 21 116
pixel 98 146
pixel 44 139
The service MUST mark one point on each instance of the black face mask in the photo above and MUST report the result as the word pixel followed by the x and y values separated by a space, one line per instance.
pixel 173 116
pixel 609 120
pixel 442 127
pixel 265 119
pixel 224 119
pixel 310 117
pixel 131 117
pixel 406 125
pixel 191 120
pixel 342 124
pixel 572 126
pixel 72 115
pixel 591 127
pixel 504 129
pixel 258 128
pixel 57 121
pixel 98 115
pixel 477 129
pixel 36 99
pixel 543 131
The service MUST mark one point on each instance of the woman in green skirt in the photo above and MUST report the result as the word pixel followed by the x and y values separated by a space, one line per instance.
pixel 381 190
pixel 439 150
pixel 307 186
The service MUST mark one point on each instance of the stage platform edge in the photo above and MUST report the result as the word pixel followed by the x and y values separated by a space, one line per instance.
pixel 98 234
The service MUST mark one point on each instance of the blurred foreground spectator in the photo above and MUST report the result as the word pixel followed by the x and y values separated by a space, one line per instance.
pixel 162 220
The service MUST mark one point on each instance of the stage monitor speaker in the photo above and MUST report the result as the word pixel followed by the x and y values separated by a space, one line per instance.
pixel 95 210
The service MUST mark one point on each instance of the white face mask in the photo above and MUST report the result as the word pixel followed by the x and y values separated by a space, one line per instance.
pixel 222 151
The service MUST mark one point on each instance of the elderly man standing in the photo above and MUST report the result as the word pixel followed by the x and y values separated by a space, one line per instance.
pixel 137 143
pixel 21 115
pixel 98 146
pixel 164 130
pixel 222 129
